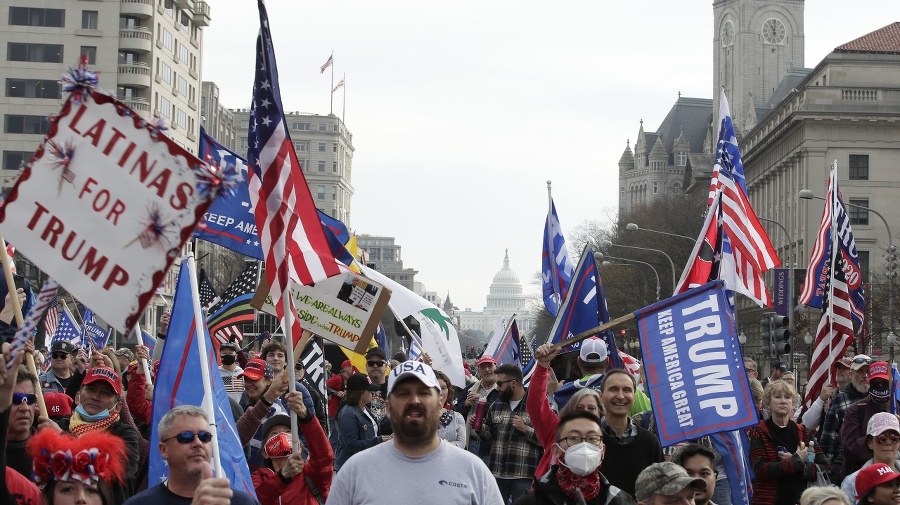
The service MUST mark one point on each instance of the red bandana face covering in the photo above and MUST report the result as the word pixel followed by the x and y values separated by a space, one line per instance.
pixel 569 482
pixel 279 446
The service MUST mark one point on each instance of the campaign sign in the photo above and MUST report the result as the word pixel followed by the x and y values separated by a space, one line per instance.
pixel 694 366
pixel 105 205
pixel 344 309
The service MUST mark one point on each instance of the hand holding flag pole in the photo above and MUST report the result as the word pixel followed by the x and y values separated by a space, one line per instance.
pixel 593 331
pixel 137 337
pixel 289 358
pixel 17 311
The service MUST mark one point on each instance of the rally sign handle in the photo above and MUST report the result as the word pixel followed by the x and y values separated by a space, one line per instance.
pixel 17 310
pixel 593 331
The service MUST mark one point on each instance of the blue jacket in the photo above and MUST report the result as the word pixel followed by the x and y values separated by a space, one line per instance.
pixel 356 433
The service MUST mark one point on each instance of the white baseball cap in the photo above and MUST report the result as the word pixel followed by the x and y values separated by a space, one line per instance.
pixel 593 350
pixel 415 369
pixel 881 422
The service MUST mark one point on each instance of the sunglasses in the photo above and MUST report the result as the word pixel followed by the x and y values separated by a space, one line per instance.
pixel 500 383
pixel 299 366
pixel 859 361
pixel 887 439
pixel 186 437
pixel 60 355
pixel 375 363
pixel 19 398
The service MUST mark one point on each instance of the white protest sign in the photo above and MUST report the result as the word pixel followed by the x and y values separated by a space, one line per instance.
pixel 344 309
pixel 105 205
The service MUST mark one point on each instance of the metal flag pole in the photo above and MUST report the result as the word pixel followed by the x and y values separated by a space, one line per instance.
pixel 331 105
pixel 834 252
pixel 289 358
pixel 344 97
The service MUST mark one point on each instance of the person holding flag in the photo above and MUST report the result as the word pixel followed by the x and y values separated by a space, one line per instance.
pixel 58 377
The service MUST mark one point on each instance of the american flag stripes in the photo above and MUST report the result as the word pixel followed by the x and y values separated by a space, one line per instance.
pixel 327 64
pixel 289 228
pixel 208 296
pixel 416 347
pixel 225 318
pixel 752 250
pixel 339 86
pixel 51 319
pixel 67 329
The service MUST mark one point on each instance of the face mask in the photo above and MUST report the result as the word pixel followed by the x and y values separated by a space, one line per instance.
pixel 228 359
pixel 880 395
pixel 99 416
pixel 279 445
pixel 583 458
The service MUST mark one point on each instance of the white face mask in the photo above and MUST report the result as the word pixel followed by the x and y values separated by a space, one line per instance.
pixel 583 458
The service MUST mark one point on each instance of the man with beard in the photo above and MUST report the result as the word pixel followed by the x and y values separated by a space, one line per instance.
pixel 376 366
pixel 421 464
pixel 516 449
pixel 829 437
pixel 184 436
pixel 778 370
pixel 467 403
pixel 853 431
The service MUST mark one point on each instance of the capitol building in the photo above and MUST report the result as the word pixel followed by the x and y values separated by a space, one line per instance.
pixel 504 299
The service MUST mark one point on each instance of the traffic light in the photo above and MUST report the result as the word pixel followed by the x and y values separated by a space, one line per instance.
pixel 776 336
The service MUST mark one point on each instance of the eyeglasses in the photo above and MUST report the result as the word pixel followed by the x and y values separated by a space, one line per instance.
pixel 186 437
pixel 575 440
pixel 60 355
pixel 887 439
pixel 19 398
pixel 375 363
pixel 750 370
pixel 500 383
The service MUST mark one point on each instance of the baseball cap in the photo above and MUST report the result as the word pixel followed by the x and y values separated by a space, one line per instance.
pixel 415 369
pixel 105 374
pixel 845 362
pixel 664 478
pixel 276 420
pixel 593 350
pixel 860 361
pixel 124 351
pixel 874 475
pixel 376 351
pixel 346 364
pixel 777 365
pixel 228 345
pixel 879 370
pixel 256 369
pixel 487 359
pixel 58 404
pixel 881 422
pixel 62 346
pixel 360 382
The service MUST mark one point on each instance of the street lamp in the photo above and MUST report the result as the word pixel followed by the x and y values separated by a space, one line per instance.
pixel 635 227
pixel 610 263
pixel 891 340
pixel 600 256
pixel 607 244
pixel 807 194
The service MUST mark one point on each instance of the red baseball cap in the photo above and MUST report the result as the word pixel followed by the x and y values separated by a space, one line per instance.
pixel 874 475
pixel 879 370
pixel 257 369
pixel 486 359
pixel 105 374
pixel 58 404
pixel 346 364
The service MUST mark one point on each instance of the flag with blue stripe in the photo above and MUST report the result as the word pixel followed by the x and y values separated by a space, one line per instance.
pixel 895 388
pixel 582 309
pixel 734 449
pixel 97 335
pixel 556 267
pixel 416 347
pixel 509 350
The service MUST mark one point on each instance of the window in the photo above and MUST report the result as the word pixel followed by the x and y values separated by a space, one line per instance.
pixel 334 167
pixel 322 127
pixel 859 167
pixel 321 166
pixel 126 93
pixel 864 263
pixel 128 57
pixel 26 124
pixel 27 16
pixel 170 8
pixel 334 147
pixel 165 71
pixel 89 20
pixel 90 53
pixel 165 107
pixel 182 118
pixel 183 54
pixel 300 146
pixel 321 147
pixel 32 88
pixel 858 210
pixel 14 160
pixel 682 158
pixel 168 40
pixel 39 53
pixel 320 192
pixel 655 188
pixel 333 193
pixel 301 126
pixel 335 128
pixel 185 21
pixel 129 22
pixel 182 86
pixel 245 124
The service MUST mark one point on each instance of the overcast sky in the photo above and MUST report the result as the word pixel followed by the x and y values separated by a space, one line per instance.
pixel 461 111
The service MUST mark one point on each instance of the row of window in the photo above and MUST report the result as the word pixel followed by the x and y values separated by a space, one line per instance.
pixel 305 127
pixel 172 113
pixel 45 53
pixel 49 18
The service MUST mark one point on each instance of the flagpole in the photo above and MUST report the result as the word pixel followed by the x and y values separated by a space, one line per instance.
pixel 554 278
pixel 289 358
pixel 834 253
pixel 331 106
pixel 200 333
pixel 344 97
pixel 138 337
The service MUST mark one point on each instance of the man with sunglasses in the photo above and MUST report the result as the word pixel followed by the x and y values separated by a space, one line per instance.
pixel 829 437
pixel 58 377
pixel 853 431
pixel 883 439
pixel 376 369
pixel 21 421
pixel 184 443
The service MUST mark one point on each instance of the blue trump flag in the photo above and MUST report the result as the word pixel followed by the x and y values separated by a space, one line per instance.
pixel 734 448
pixel 895 388
pixel 179 382
pixel 97 334
pixel 556 267
pixel 584 308
pixel 509 350
pixel 693 363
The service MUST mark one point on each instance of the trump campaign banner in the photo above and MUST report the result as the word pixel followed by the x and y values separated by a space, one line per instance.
pixel 694 366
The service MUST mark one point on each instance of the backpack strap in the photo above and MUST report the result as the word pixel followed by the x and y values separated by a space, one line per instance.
pixel 314 490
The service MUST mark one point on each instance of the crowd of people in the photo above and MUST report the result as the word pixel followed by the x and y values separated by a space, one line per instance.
pixel 401 432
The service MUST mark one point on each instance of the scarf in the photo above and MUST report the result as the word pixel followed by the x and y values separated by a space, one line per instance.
pixel 79 427
pixel 569 482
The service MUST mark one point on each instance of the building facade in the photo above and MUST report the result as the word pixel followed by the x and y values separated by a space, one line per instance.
pixel 383 255
pixel 147 52
pixel 324 147
pixel 505 298
pixel 217 119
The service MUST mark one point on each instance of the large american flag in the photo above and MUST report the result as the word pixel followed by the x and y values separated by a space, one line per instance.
pixel 291 233
pixel 51 319
pixel 208 296
pixel 753 252
pixel 233 310
pixel 835 332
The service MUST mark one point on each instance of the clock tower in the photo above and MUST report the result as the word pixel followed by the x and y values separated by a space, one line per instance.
pixel 754 44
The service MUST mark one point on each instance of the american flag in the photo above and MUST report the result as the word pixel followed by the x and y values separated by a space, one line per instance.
pixel 226 317
pixel 208 296
pixel 327 63
pixel 339 86
pixel 67 329
pixel 291 233
pixel 835 332
pixel 752 250
pixel 51 319
pixel 416 347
